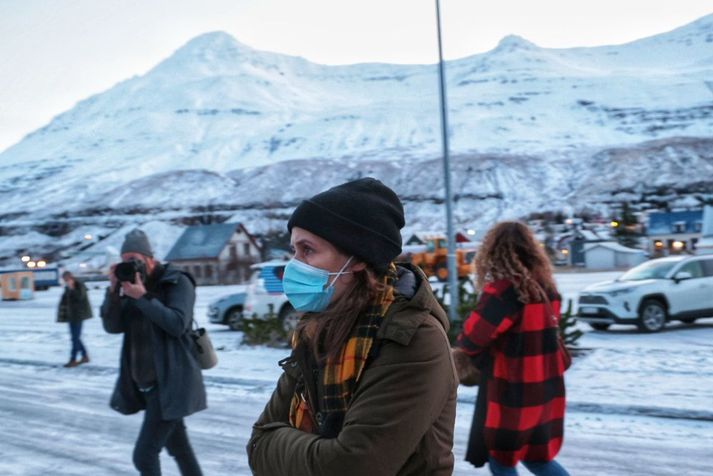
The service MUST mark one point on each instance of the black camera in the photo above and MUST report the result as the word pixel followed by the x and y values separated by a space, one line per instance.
pixel 126 271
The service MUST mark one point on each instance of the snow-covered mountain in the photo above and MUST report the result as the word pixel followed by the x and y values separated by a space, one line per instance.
pixel 220 128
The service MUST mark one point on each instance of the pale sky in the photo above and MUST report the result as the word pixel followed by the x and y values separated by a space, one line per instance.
pixel 57 52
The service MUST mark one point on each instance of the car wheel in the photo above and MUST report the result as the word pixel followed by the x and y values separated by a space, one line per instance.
pixel 599 327
pixel 689 320
pixel 289 317
pixel 652 316
pixel 235 319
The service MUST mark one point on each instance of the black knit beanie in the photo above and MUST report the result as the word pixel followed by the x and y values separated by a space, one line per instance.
pixel 362 218
pixel 136 241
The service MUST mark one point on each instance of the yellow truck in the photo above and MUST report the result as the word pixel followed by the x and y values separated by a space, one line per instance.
pixel 432 257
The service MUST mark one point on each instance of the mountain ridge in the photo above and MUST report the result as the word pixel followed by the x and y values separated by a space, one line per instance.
pixel 217 110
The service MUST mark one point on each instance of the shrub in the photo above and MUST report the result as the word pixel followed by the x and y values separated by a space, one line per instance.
pixel 468 297
pixel 266 331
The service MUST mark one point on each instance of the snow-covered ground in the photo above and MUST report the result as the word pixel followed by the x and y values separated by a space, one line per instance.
pixel 638 404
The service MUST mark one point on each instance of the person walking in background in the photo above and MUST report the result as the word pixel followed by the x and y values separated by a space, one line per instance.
pixel 512 337
pixel 370 387
pixel 152 305
pixel 74 308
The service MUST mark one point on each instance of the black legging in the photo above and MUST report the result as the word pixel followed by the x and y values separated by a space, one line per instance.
pixel 156 434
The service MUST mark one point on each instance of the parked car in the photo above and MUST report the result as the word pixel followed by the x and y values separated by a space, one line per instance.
pixel 674 288
pixel 227 310
pixel 265 295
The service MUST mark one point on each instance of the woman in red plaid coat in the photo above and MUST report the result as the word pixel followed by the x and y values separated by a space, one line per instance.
pixel 512 337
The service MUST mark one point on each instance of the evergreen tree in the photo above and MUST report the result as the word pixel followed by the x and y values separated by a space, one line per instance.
pixel 567 324
pixel 468 299
pixel 626 231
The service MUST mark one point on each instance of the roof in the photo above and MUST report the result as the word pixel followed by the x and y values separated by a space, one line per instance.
pixel 611 245
pixel 424 236
pixel 202 241
pixel 590 235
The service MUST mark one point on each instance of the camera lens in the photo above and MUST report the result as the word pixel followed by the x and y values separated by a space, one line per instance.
pixel 125 271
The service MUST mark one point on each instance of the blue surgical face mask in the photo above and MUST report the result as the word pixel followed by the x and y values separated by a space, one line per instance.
pixel 308 288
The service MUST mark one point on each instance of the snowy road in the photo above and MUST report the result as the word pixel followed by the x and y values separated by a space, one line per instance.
pixel 638 404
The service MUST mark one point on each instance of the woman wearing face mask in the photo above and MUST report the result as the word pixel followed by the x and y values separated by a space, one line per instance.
pixel 369 387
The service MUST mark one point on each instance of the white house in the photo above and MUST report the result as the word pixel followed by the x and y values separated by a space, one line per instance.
pixel 216 254
pixel 611 255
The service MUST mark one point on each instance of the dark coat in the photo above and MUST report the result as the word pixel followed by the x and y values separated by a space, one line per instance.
pixel 520 409
pixel 179 378
pixel 401 416
pixel 74 305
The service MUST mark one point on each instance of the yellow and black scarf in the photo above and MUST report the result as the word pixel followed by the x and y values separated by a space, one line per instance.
pixel 341 375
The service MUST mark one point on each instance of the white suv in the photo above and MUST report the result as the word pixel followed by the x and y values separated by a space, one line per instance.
pixel 265 296
pixel 674 288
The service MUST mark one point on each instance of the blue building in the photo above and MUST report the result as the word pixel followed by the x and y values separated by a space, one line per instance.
pixel 705 245
pixel 674 232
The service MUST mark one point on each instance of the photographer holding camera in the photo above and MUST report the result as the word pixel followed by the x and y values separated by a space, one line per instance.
pixel 152 305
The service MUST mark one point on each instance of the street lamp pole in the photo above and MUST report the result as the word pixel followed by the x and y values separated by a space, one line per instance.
pixel 452 272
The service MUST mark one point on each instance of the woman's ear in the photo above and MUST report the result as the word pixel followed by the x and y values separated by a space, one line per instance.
pixel 358 266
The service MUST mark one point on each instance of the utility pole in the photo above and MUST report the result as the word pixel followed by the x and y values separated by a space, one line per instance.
pixel 452 271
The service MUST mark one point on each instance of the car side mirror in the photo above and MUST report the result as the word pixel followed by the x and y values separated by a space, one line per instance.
pixel 682 275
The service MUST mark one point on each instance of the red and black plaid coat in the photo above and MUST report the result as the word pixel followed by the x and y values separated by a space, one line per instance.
pixel 525 395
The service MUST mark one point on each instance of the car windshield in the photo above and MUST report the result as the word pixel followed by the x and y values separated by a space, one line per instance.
pixel 255 276
pixel 649 270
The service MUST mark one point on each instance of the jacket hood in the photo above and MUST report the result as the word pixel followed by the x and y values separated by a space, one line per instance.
pixel 408 312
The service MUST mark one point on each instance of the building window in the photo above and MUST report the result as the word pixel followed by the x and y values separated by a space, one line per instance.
pixel 246 249
pixel 209 271
pixel 233 252
pixel 197 271
pixel 677 246
pixel 679 227
pixel 698 226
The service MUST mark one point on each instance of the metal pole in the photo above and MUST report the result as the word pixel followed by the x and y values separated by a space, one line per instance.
pixel 452 271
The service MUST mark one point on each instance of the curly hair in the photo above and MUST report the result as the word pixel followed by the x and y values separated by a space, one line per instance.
pixel 510 251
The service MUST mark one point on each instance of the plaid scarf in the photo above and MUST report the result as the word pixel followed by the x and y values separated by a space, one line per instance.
pixel 340 375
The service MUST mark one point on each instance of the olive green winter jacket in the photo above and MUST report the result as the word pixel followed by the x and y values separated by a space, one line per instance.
pixel 401 417
pixel 74 305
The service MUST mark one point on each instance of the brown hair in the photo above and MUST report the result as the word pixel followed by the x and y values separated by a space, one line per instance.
pixel 327 332
pixel 510 251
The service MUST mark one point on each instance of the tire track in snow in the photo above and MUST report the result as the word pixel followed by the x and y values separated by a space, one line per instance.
pixel 257 385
